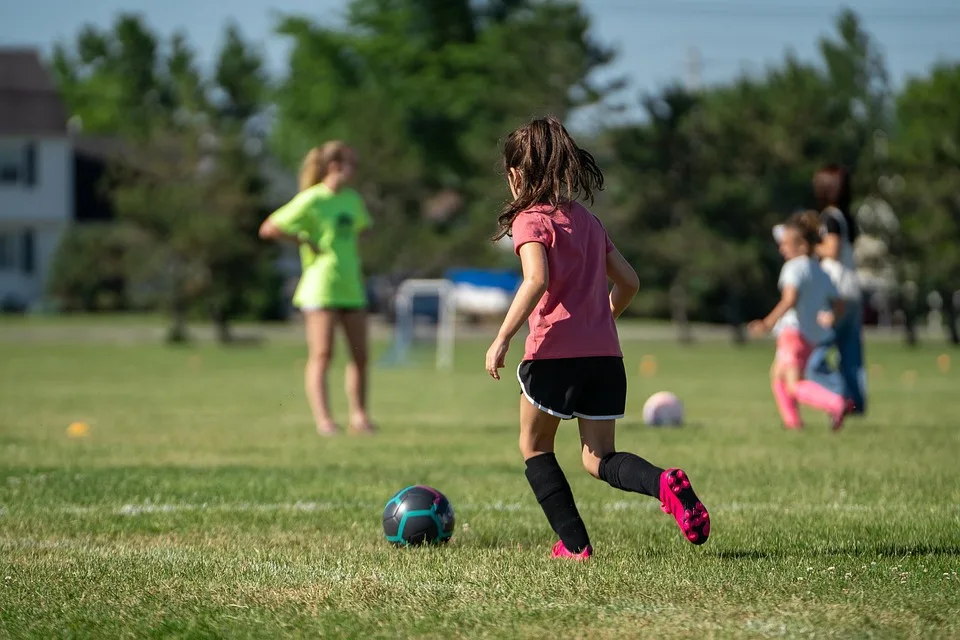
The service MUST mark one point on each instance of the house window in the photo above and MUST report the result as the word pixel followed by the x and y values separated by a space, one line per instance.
pixel 8 249
pixel 18 164
pixel 11 164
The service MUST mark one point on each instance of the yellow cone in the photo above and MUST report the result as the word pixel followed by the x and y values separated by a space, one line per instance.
pixel 78 430
pixel 943 362
pixel 648 366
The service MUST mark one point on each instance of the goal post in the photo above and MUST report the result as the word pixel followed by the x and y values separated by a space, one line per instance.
pixel 404 326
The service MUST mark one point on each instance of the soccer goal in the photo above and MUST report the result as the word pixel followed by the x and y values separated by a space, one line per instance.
pixel 405 324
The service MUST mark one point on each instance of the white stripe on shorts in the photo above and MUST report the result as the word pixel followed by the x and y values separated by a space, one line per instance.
pixel 537 404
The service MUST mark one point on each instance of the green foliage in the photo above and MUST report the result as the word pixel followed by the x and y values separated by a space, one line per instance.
pixel 94 268
pixel 927 154
pixel 424 89
pixel 189 178
pixel 410 84
pixel 699 184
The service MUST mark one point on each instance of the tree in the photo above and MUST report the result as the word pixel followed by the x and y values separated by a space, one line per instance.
pixel 127 83
pixel 92 267
pixel 926 151
pixel 124 80
pixel 172 188
pixel 699 183
pixel 409 84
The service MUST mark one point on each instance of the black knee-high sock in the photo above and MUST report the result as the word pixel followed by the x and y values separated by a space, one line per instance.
pixel 556 499
pixel 629 472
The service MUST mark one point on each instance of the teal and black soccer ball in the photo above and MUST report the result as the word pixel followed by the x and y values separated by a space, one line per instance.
pixel 418 515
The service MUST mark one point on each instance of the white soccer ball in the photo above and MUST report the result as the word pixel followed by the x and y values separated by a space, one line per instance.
pixel 662 409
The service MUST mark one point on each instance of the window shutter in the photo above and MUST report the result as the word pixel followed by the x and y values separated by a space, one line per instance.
pixel 28 248
pixel 30 164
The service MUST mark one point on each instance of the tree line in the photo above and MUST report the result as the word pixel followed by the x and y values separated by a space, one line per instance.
pixel 425 89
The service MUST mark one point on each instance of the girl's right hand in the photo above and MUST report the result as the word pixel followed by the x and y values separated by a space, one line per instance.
pixel 757 328
pixel 496 357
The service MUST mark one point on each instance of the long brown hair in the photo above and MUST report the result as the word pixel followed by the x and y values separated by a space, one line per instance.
pixel 317 162
pixel 831 188
pixel 551 169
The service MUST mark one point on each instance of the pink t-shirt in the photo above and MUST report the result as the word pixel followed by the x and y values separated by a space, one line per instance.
pixel 573 318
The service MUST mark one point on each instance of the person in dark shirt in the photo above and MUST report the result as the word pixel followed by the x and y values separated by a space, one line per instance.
pixel 831 188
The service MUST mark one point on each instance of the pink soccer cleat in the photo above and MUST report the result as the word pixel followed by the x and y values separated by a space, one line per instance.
pixel 837 419
pixel 560 551
pixel 678 499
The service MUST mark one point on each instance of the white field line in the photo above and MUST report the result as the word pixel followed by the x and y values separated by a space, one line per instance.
pixel 640 504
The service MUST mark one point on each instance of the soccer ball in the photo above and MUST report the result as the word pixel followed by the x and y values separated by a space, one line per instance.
pixel 418 515
pixel 663 408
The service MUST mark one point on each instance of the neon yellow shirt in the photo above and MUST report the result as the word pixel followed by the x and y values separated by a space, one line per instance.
pixel 332 221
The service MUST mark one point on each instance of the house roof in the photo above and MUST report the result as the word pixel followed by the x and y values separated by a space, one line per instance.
pixel 29 101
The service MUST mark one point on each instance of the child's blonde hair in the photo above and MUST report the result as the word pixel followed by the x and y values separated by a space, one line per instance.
pixel 317 162
pixel 807 223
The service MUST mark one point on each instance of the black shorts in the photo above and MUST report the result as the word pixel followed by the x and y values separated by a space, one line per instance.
pixel 592 388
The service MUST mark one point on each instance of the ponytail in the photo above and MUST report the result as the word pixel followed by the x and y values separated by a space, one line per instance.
pixel 317 163
pixel 551 168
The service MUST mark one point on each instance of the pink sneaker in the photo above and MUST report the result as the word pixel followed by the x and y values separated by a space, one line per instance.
pixel 836 420
pixel 560 551
pixel 678 499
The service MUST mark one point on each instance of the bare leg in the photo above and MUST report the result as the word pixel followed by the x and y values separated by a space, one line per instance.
pixel 319 326
pixel 537 430
pixel 355 328
pixel 597 440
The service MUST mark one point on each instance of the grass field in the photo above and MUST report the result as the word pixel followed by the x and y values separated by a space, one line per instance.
pixel 201 504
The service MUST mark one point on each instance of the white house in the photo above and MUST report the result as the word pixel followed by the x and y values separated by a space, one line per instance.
pixel 36 176
pixel 50 178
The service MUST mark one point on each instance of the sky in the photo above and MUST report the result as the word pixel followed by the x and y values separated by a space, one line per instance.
pixel 655 38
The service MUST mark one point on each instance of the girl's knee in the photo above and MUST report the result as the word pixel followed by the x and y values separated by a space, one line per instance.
pixel 359 358
pixel 320 358
pixel 531 446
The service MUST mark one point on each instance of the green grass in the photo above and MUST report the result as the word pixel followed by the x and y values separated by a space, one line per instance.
pixel 201 504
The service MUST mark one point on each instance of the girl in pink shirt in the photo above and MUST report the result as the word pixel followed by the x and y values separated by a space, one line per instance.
pixel 572 364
